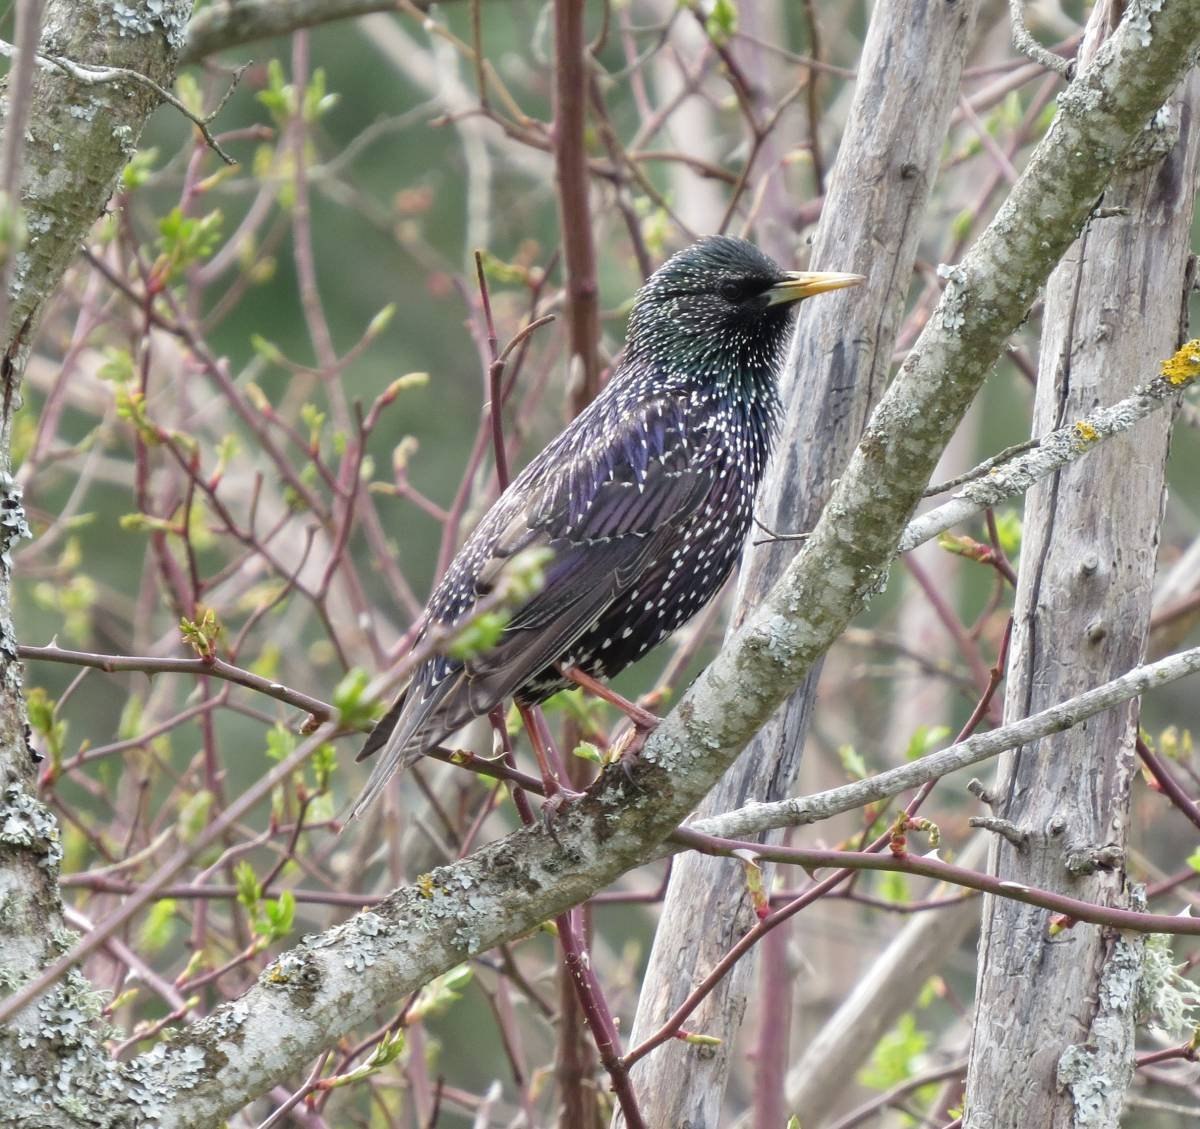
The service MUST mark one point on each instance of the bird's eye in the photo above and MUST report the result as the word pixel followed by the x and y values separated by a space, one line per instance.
pixel 731 291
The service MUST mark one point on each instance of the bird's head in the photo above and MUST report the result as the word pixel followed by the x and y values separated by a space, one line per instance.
pixel 721 306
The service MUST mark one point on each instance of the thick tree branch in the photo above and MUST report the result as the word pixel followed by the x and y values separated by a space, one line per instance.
pixel 232 23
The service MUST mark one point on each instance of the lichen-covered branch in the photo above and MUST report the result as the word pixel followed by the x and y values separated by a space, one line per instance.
pixel 1056 449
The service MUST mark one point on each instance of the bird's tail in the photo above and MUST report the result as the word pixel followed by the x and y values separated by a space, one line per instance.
pixel 412 725
pixel 384 728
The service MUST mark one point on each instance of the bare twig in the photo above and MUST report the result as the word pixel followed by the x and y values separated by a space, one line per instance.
pixel 92 76
pixel 1027 45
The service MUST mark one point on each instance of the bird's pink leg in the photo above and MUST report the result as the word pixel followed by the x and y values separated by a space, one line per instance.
pixel 547 756
pixel 642 719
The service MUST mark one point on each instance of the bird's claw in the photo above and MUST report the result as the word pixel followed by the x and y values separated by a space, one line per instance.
pixel 550 809
pixel 627 749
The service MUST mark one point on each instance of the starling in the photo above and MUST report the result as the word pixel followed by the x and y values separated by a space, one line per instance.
pixel 643 501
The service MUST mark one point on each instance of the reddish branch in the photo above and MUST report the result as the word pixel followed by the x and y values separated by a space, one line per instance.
pixel 216 668
pixel 574 211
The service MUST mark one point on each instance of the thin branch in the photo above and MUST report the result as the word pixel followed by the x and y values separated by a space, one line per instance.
pixel 16 116
pixel 930 866
pixel 1027 45
pixel 796 812
pixel 93 76
pixel 148 664
pixel 571 61
pixel 989 483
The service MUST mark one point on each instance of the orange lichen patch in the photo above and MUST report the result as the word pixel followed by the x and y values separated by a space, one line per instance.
pixel 1184 366
pixel 1086 432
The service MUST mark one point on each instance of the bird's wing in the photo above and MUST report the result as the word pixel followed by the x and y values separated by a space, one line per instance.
pixel 605 514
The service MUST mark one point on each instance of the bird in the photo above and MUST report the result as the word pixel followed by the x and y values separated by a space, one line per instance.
pixel 641 504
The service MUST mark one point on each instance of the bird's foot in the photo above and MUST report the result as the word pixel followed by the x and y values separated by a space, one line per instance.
pixel 626 750
pixel 551 807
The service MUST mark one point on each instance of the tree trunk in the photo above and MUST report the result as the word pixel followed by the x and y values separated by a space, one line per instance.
pixel 1053 1028
pixel 77 140
pixel 870 223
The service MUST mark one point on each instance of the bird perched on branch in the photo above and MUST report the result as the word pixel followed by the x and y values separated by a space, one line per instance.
pixel 642 503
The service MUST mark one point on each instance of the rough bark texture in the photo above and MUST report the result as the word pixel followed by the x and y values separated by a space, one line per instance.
pixel 839 362
pixel 78 139
pixel 1082 614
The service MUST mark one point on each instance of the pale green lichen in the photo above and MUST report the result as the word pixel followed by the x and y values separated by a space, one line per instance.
pixel 1165 998
pixel 953 306
pixel 361 940
pixel 27 823
pixel 148 16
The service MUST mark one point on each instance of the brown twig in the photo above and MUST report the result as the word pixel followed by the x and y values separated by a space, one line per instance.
pixel 574 210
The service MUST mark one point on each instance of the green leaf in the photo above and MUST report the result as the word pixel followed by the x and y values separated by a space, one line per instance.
pixel 130 724
pixel 925 739
pixel 193 816
pixel 893 887
pixel 189 93
pixel 40 708
pixel 159 926
pixel 349 697
pixel 481 633
pixel 314 420
pixel 894 1058
pixel 586 751
pixel 852 762
pixel 381 320
pixel 524 574
pixel 183 240
pixel 1175 744
pixel 1008 532
pixel 267 663
pixel 277 916
pixel 138 171
pixel 281 742
pixel 268 350
pixel 722 21
pixel 118 365
pixel 202 634
pixel 249 889
pixel 441 992
pixel 279 96
pixel 324 765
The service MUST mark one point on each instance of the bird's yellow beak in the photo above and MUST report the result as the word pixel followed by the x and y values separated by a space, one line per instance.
pixel 804 284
